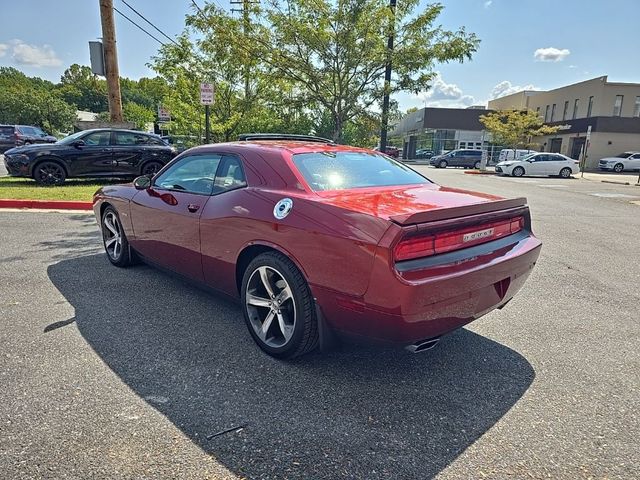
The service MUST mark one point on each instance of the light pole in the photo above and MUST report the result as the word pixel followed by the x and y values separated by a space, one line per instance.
pixel 384 119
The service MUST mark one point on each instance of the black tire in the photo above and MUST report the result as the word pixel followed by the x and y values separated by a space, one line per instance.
pixel 477 165
pixel 151 168
pixel 517 172
pixel 122 256
pixel 49 173
pixel 304 331
pixel 442 164
pixel 618 167
pixel 566 172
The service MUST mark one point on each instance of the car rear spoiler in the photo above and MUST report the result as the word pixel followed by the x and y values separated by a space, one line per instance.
pixel 446 213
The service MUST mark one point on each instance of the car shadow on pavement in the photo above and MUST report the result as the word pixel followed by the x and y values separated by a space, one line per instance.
pixel 356 412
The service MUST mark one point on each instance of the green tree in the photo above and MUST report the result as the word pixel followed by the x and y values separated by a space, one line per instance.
pixel 336 52
pixel 138 114
pixel 515 128
pixel 80 87
pixel 32 101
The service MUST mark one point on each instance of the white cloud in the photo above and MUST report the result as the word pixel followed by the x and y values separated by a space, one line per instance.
pixel 488 3
pixel 551 54
pixel 446 95
pixel 507 88
pixel 33 55
pixel 3 49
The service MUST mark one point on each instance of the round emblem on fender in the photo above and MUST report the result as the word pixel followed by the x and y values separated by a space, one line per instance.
pixel 282 208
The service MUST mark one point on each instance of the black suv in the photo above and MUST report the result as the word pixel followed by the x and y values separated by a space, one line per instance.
pixel 90 153
pixel 458 158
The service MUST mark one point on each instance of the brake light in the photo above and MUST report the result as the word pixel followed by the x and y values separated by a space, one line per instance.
pixel 427 245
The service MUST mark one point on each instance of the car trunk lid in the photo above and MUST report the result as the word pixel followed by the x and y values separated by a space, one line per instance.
pixel 415 204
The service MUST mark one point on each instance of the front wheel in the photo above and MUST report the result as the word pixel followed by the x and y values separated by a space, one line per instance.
pixel 278 307
pixel 151 168
pixel 518 172
pixel 49 173
pixel 565 172
pixel 443 164
pixel 618 167
pixel 114 239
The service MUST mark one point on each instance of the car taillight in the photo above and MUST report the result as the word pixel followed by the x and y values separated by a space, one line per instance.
pixel 427 245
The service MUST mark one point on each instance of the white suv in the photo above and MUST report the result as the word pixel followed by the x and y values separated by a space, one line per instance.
pixel 624 161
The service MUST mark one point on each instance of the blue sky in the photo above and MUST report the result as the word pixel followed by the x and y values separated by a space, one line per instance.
pixel 575 40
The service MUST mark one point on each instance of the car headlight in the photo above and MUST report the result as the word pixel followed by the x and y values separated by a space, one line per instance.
pixel 18 157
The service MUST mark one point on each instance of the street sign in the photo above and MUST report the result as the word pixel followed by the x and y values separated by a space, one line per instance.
pixel 163 114
pixel 206 93
pixel 96 55
pixel 588 133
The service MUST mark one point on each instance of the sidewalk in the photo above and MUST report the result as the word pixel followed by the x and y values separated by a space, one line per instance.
pixel 630 178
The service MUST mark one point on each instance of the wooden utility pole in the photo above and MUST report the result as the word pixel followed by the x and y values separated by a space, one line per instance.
pixel 384 123
pixel 111 60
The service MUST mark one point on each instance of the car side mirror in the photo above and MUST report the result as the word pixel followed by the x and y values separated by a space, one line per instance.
pixel 78 143
pixel 142 183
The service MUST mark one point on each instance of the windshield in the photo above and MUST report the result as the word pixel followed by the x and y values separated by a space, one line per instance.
pixel 70 138
pixel 527 157
pixel 345 170
pixel 623 155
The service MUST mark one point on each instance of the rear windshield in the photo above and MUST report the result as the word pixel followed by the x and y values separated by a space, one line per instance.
pixel 345 170
pixel 6 132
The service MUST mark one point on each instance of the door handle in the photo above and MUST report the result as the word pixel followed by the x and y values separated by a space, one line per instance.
pixel 193 208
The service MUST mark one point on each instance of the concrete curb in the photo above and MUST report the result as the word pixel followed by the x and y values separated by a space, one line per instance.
pixel 479 172
pixel 615 183
pixel 46 204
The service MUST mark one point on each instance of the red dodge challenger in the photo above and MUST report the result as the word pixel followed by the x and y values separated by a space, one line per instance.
pixel 318 239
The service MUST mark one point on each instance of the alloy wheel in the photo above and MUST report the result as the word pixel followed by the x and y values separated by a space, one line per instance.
pixel 271 306
pixel 151 168
pixel 50 173
pixel 618 167
pixel 112 234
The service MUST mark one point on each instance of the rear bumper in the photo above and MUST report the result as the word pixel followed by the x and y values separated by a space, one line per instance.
pixel 414 305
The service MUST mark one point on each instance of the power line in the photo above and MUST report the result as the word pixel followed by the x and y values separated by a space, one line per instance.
pixel 122 14
pixel 145 19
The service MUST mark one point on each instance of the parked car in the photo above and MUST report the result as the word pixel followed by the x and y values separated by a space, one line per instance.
pixel 625 161
pixel 90 153
pixel 458 158
pixel 7 137
pixel 317 239
pixel 390 150
pixel 549 164
pixel 17 135
pixel 181 142
pixel 423 153
pixel 513 154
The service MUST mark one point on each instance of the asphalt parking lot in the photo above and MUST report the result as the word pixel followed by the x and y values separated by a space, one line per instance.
pixel 110 373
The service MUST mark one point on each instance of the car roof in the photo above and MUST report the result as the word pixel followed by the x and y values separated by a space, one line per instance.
pixel 291 146
pixel 115 130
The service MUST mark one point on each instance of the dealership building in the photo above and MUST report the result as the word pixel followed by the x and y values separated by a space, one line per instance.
pixel 440 130
pixel 610 111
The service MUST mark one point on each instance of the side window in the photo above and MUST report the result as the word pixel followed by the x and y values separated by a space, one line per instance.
pixel 636 156
pixel 130 138
pixel 230 175
pixel 192 174
pixel 97 139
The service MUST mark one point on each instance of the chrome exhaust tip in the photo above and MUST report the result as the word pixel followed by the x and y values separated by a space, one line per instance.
pixel 423 345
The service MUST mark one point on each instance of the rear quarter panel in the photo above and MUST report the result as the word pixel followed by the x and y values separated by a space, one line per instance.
pixel 333 247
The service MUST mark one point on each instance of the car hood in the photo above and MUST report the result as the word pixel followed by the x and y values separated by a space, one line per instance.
pixel 401 203
pixel 505 163
pixel 33 148
pixel 612 159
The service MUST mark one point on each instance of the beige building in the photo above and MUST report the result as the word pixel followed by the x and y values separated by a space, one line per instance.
pixel 611 109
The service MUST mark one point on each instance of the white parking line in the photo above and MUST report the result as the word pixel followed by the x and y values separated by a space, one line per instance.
pixel 613 195
pixel 554 186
